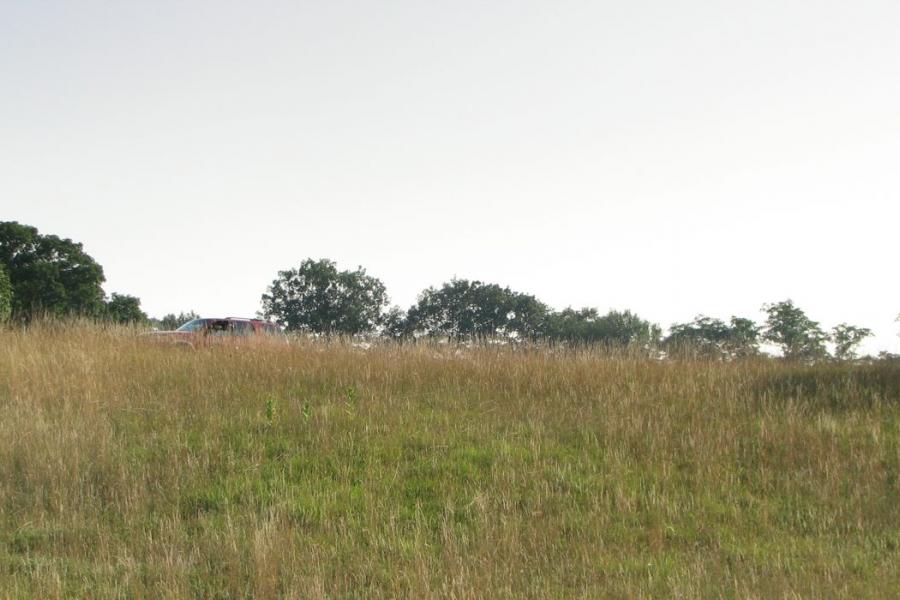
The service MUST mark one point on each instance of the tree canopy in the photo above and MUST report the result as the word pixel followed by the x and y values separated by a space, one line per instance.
pixel 846 338
pixel 799 337
pixel 48 274
pixel 124 309
pixel 614 329
pixel 318 298
pixel 713 338
pixel 462 308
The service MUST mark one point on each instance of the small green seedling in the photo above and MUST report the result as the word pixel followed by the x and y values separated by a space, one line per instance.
pixel 271 409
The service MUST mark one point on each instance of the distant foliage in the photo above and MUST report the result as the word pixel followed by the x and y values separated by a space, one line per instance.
pixel 614 329
pixel 5 296
pixel 743 340
pixel 846 338
pixel 318 298
pixel 395 325
pixel 463 309
pixel 49 275
pixel 45 275
pixel 124 309
pixel 799 337
pixel 713 338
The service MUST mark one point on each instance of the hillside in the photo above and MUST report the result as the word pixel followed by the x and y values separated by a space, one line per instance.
pixel 130 469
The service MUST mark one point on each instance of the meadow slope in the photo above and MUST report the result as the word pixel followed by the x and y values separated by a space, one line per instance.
pixel 136 470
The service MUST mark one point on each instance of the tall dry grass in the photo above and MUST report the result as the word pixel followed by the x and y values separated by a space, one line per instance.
pixel 138 470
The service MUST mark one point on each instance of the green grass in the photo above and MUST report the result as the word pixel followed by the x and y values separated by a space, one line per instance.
pixel 320 470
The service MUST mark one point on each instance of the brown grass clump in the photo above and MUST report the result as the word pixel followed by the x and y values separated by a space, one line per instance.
pixel 130 469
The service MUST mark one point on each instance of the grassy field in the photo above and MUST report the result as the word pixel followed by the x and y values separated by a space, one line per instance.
pixel 136 470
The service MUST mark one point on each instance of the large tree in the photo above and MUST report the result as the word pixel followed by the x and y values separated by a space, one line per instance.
pixel 462 309
pixel 49 275
pixel 318 298
pixel 799 337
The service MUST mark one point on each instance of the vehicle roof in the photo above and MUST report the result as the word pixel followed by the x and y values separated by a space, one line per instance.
pixel 233 319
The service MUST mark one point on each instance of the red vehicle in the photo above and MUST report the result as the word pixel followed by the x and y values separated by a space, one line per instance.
pixel 201 332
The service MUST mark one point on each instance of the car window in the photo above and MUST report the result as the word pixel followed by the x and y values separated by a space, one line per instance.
pixel 194 325
pixel 219 327
pixel 242 328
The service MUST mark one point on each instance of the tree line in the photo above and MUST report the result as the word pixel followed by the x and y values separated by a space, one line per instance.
pixel 318 298
pixel 45 275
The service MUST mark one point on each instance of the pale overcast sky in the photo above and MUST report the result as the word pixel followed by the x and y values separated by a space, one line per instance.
pixel 673 158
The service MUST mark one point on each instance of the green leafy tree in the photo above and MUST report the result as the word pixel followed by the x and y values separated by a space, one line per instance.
pixel 846 339
pixel 528 316
pixel 318 298
pixel 616 329
pixel 5 296
pixel 49 275
pixel 704 336
pixel 395 324
pixel 446 311
pixel 743 338
pixel 624 328
pixel 124 309
pixel 799 337
pixel 464 309
pixel 713 338
pixel 572 326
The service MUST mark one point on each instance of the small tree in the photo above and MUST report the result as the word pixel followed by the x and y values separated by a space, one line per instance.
pixel 316 297
pixel 124 309
pixel 846 338
pixel 800 337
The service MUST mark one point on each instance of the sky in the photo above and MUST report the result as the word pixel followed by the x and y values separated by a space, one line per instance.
pixel 672 158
